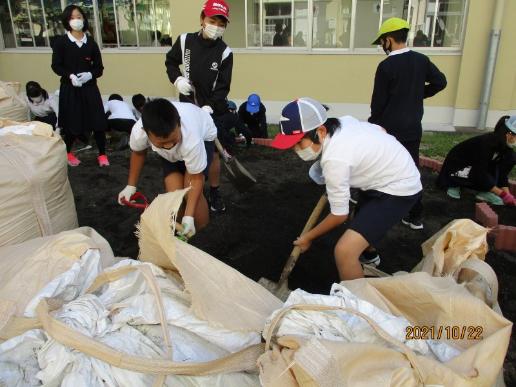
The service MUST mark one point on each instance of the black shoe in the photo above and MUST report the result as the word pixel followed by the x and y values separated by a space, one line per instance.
pixel 413 222
pixel 369 258
pixel 216 202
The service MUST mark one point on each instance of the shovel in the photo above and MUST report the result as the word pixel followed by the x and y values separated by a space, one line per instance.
pixel 281 289
pixel 237 174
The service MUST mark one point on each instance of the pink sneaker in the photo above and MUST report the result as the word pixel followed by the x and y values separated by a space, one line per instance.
pixel 72 160
pixel 103 161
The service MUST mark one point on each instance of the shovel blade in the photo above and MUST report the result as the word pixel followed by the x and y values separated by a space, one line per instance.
pixel 238 175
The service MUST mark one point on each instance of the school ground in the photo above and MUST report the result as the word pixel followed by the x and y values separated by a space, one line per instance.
pixel 254 235
pixel 331 60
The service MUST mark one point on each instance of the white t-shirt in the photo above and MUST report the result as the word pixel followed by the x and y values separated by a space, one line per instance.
pixel 43 109
pixel 362 155
pixel 119 109
pixel 196 127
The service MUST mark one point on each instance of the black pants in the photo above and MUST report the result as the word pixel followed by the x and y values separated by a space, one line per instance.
pixel 50 119
pixel 100 139
pixel 413 148
pixel 121 124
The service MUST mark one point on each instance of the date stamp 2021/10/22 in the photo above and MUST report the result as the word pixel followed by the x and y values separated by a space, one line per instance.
pixel 444 332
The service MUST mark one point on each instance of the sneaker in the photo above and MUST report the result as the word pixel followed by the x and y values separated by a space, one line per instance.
pixel 413 223
pixel 489 197
pixel 453 192
pixel 72 160
pixel 103 161
pixel 369 258
pixel 216 202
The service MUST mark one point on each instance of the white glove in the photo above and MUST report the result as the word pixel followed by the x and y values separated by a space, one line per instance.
pixel 126 194
pixel 84 77
pixel 75 80
pixel 188 226
pixel 207 109
pixel 183 85
pixel 316 173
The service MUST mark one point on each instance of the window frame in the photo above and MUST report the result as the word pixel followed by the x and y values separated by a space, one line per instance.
pixel 97 30
pixel 309 49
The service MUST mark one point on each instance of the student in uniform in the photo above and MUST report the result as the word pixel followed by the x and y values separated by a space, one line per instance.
pixel 483 163
pixel 138 101
pixel 253 114
pixel 42 106
pixel 76 58
pixel 401 83
pixel 353 154
pixel 120 118
pixel 183 135
pixel 231 121
pixel 208 67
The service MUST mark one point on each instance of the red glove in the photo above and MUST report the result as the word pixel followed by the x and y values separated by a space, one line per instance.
pixel 508 198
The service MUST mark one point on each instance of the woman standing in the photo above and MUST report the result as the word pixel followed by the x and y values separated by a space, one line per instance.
pixel 76 58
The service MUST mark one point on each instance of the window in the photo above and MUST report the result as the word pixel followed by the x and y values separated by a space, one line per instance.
pixel 120 23
pixel 341 24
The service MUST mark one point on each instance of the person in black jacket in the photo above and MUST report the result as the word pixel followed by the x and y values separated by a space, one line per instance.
pixel 401 83
pixel 208 65
pixel 76 58
pixel 483 163
pixel 252 113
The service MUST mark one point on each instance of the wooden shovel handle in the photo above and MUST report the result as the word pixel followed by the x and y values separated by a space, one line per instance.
pixel 296 251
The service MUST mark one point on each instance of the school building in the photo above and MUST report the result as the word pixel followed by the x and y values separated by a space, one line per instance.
pixel 322 50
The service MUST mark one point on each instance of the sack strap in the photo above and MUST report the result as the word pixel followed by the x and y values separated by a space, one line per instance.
pixel 244 360
pixel 485 271
pixel 410 355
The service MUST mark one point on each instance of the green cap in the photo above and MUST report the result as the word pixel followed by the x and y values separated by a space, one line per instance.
pixel 391 25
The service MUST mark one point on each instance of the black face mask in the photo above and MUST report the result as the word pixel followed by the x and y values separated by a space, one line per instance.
pixel 386 49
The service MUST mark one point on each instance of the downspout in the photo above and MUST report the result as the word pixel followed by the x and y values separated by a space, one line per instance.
pixel 491 63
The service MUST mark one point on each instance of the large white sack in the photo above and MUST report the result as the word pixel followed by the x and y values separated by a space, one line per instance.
pixel 12 104
pixel 37 199
pixel 45 266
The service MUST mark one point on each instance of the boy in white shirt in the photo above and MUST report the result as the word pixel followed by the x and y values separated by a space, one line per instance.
pixel 183 135
pixel 120 118
pixel 354 154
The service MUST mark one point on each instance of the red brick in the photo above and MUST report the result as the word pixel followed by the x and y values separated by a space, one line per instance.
pixel 439 166
pixel 512 186
pixel 263 141
pixel 505 238
pixel 425 161
pixel 485 215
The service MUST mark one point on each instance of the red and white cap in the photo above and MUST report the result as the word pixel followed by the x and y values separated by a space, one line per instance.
pixel 216 8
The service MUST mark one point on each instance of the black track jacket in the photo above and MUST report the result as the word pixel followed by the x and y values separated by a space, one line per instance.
pixel 208 64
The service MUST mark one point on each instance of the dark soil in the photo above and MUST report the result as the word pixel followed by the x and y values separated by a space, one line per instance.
pixel 255 233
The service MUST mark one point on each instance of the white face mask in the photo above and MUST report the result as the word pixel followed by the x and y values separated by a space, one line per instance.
pixel 37 100
pixel 77 24
pixel 308 154
pixel 213 32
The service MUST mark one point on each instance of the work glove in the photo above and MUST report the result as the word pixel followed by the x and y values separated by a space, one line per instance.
pixel 188 227
pixel 126 194
pixel 508 198
pixel 207 109
pixel 183 85
pixel 84 77
pixel 75 80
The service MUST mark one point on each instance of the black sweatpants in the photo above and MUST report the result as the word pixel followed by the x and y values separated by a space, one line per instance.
pixel 50 119
pixel 413 148
pixel 121 124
